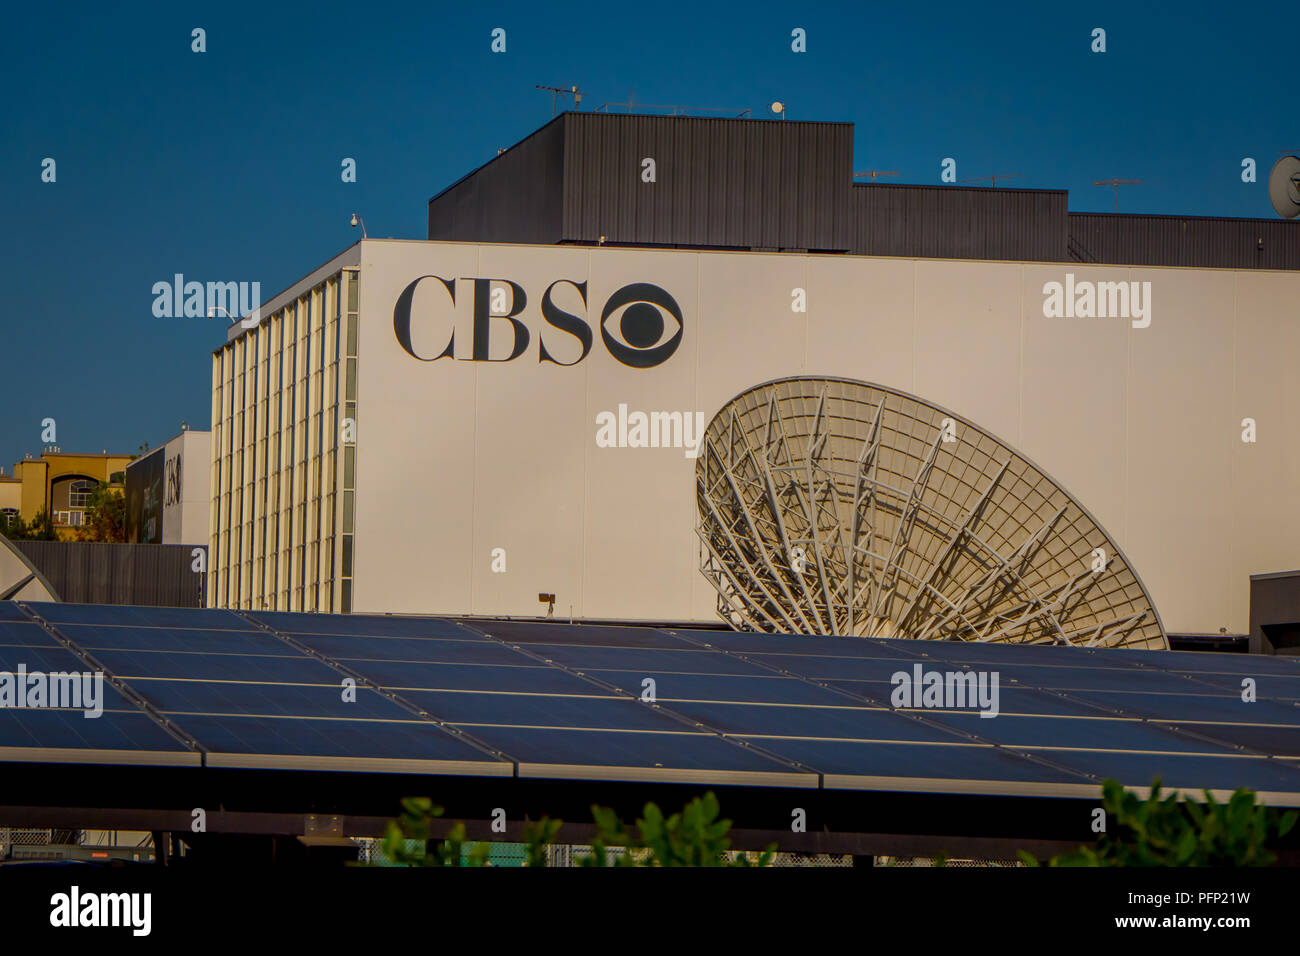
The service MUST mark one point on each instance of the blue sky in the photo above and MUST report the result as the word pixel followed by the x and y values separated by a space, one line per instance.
pixel 225 165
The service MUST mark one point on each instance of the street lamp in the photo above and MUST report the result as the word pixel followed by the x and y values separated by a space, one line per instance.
pixel 253 319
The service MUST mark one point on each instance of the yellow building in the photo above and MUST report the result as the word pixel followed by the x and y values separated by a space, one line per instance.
pixel 11 496
pixel 60 483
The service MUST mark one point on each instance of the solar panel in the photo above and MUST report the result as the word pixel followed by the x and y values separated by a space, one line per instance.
pixel 839 668
pixel 642 659
pixel 555 700
pixel 1053 655
pixel 1280 741
pixel 447 651
pixel 9 611
pixel 1190 662
pixel 844 723
pixel 532 679
pixel 1265 685
pixel 616 755
pixel 66 736
pixel 48 658
pixel 877 691
pixel 802 647
pixel 1098 678
pixel 1194 707
pixel 520 632
pixel 304 743
pixel 362 625
pixel 769 688
pixel 952 768
pixel 233 667
pixel 1274 781
pixel 137 616
pixel 191 640
pixel 176 698
pixel 1026 701
pixel 16 632
pixel 476 709
pixel 1078 733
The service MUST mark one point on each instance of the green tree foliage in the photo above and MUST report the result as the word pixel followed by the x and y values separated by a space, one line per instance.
pixel 1175 832
pixel 415 823
pixel 537 837
pixel 105 516
pixel 694 837
pixel 40 529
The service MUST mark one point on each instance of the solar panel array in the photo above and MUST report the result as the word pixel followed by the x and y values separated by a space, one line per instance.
pixel 552 700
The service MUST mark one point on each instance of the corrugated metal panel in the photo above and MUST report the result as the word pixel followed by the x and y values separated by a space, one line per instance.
pixel 159 575
pixel 515 197
pixel 957 222
pixel 1124 239
pixel 718 182
pixel 768 184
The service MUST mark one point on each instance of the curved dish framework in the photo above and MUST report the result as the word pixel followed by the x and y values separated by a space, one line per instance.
pixel 829 506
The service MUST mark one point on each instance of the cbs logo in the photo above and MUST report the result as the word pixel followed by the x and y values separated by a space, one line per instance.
pixel 641 325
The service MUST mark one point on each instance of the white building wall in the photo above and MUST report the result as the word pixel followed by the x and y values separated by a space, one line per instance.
pixel 186 507
pixel 458 458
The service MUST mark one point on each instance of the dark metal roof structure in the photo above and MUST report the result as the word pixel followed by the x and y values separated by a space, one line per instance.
pixel 772 185
pixel 1184 241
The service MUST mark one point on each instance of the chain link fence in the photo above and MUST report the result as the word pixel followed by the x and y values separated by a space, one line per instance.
pixel 370 851
pixel 922 861
pixel 22 836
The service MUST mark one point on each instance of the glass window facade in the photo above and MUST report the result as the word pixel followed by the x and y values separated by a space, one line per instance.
pixel 276 542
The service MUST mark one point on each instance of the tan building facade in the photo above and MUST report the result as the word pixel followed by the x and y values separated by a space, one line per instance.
pixel 60 483
pixel 494 394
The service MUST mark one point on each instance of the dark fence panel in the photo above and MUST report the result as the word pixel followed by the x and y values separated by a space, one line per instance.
pixel 160 575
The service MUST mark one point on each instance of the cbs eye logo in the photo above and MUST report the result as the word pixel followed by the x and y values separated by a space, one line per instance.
pixel 641 325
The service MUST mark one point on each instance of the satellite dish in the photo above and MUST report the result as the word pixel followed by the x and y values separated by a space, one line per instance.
pixel 778 107
pixel 1284 187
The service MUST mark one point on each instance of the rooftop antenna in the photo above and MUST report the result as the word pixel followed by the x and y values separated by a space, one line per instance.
pixel 873 173
pixel 1284 187
pixel 1117 183
pixel 560 90
pixel 993 179
pixel 677 108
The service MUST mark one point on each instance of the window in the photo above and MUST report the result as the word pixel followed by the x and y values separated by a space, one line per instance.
pixel 79 493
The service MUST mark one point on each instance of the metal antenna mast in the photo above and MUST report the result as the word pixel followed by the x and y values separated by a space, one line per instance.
pixel 1117 183
pixel 557 90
